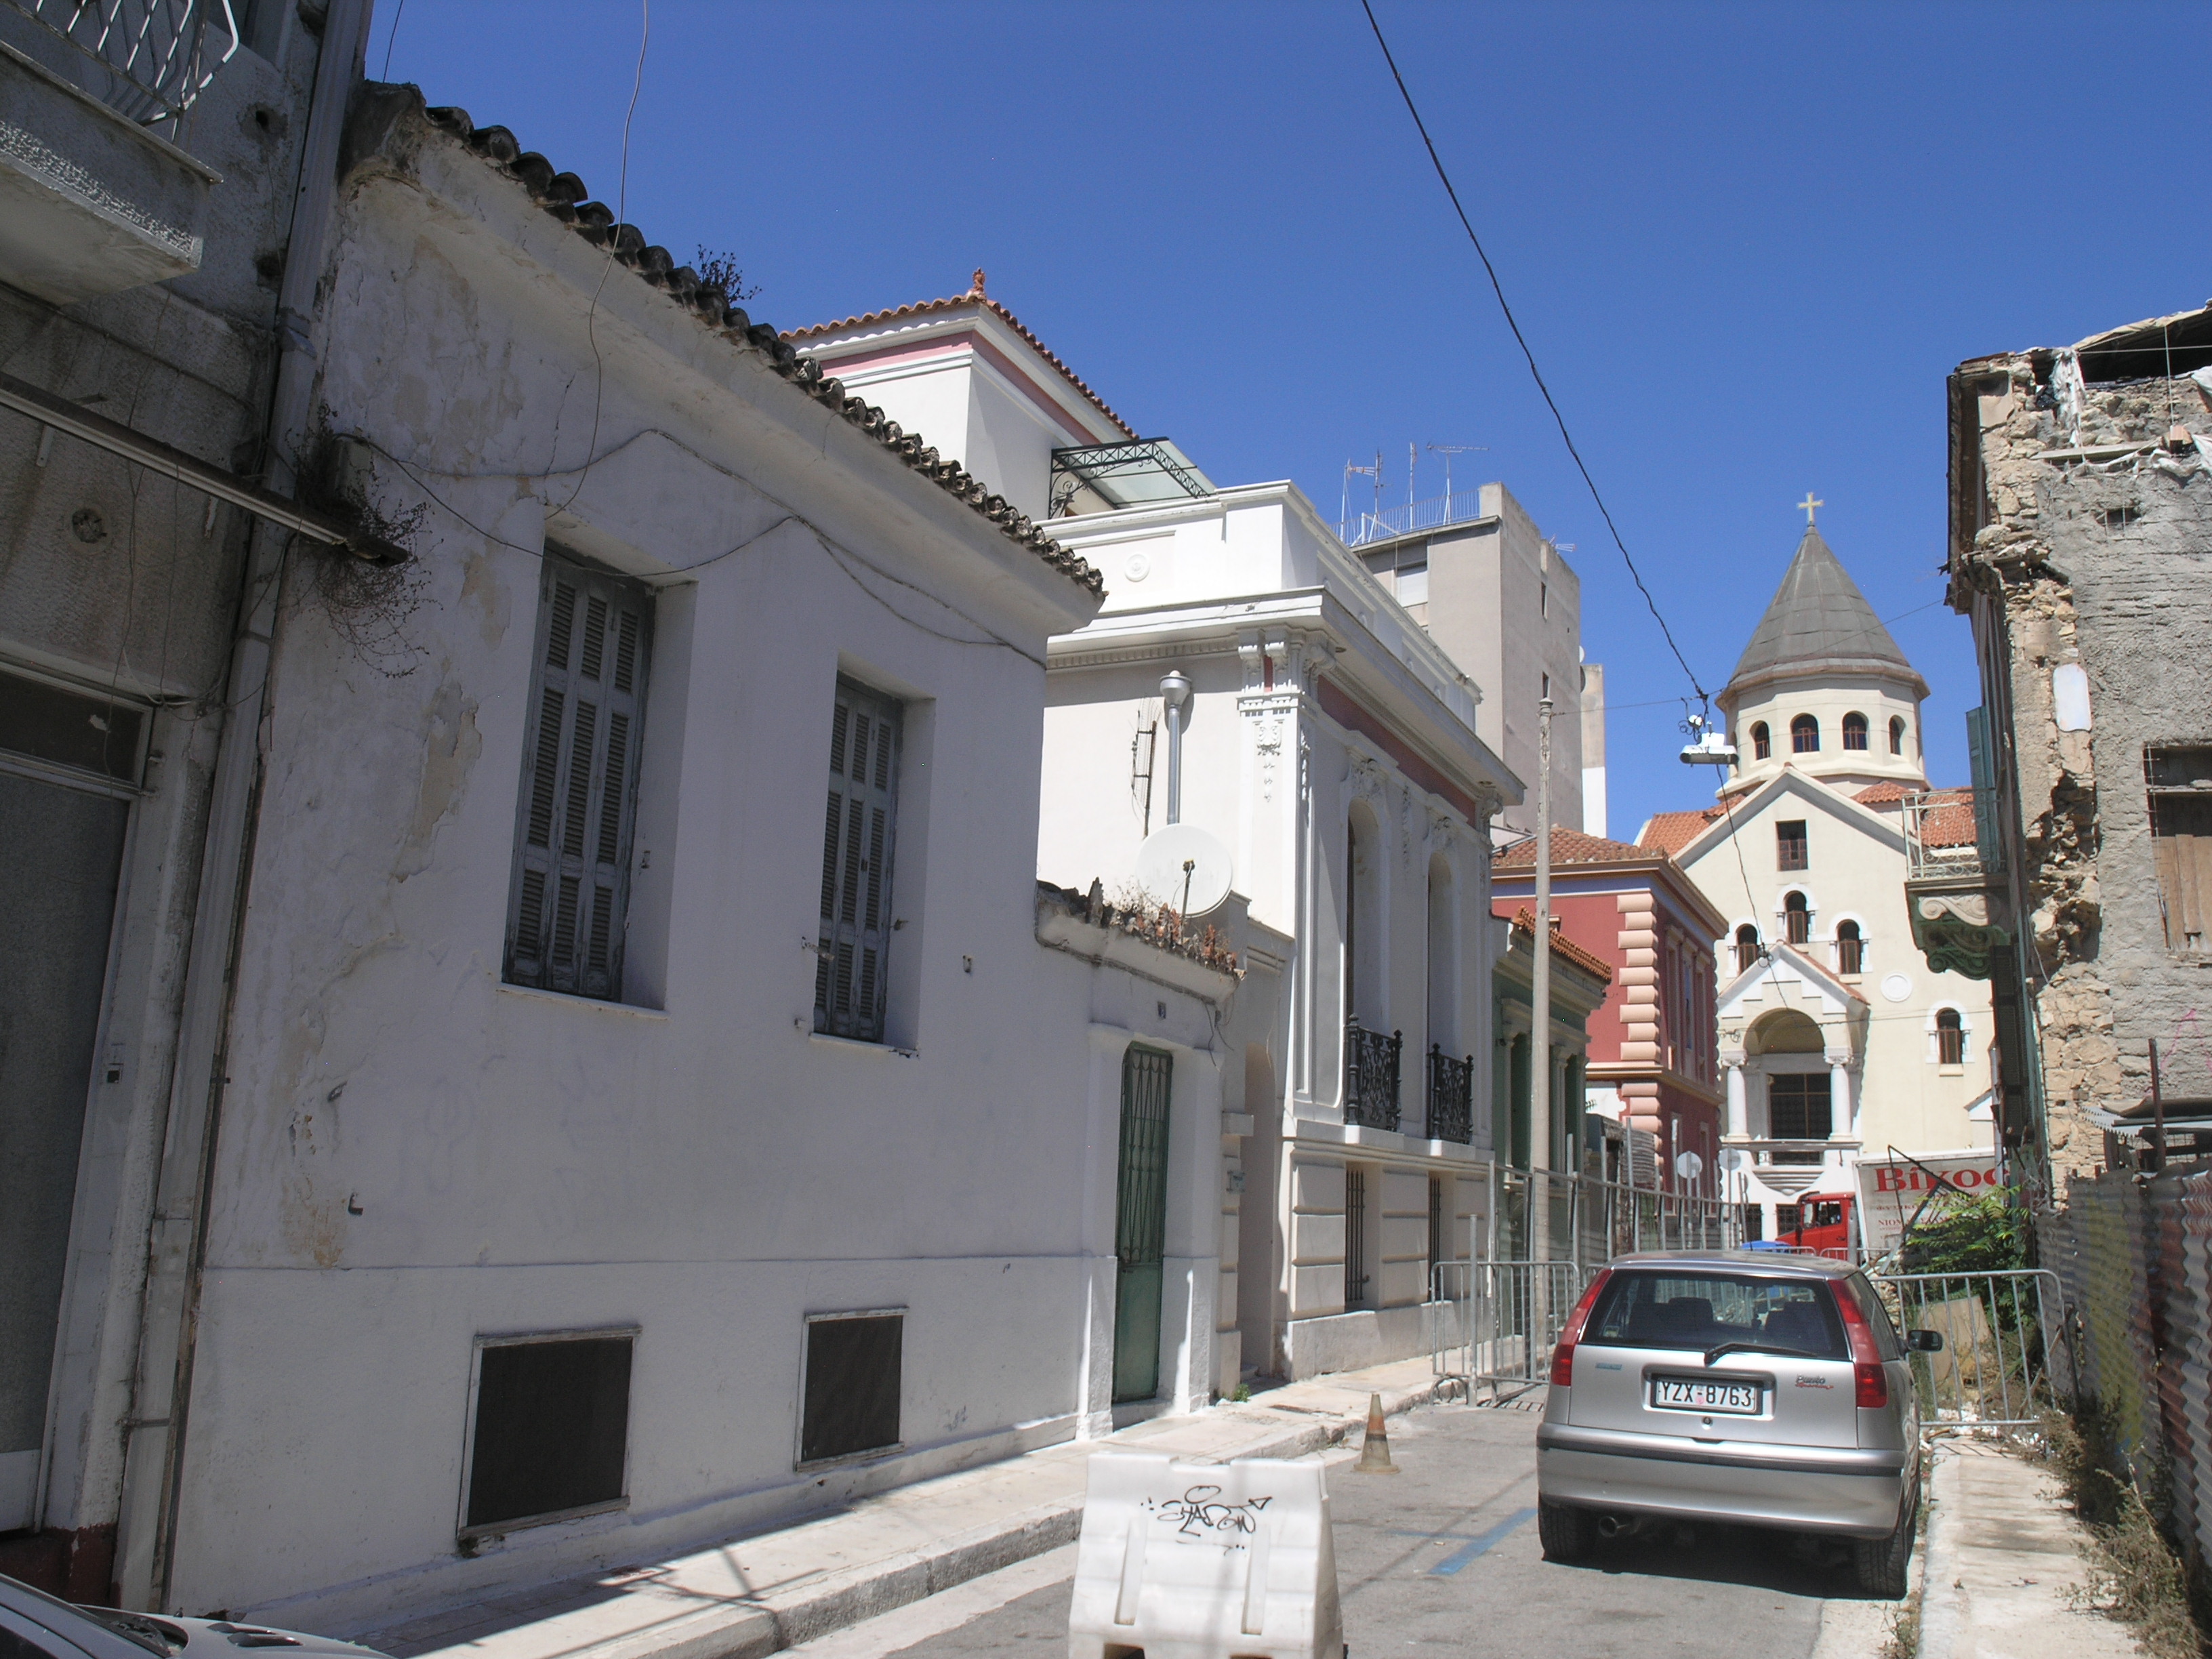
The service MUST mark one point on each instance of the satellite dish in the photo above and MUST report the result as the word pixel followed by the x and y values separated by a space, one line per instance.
pixel 1184 868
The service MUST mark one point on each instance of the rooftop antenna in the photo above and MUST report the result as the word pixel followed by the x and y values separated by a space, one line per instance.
pixel 1447 451
pixel 1344 506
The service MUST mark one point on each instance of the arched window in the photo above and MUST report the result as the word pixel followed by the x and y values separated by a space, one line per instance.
pixel 1950 1038
pixel 1855 731
pixel 1746 947
pixel 1805 735
pixel 1797 919
pixel 1896 735
pixel 1850 948
pixel 1762 741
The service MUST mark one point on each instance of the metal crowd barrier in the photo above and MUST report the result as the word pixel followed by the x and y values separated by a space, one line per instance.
pixel 1493 1324
pixel 1994 1370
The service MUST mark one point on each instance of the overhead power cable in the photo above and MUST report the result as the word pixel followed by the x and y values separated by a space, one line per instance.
pixel 1522 340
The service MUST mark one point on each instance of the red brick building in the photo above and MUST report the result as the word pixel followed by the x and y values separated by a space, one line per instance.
pixel 1654 1042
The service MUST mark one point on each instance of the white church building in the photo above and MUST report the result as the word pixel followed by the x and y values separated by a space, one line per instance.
pixel 1837 1041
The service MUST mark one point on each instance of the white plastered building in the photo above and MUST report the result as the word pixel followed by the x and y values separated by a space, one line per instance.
pixel 614 1150
pixel 1836 1039
pixel 1332 747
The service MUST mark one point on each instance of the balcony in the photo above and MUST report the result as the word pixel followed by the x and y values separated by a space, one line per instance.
pixel 1784 1165
pixel 1954 883
pixel 1371 1076
pixel 94 196
pixel 1451 1096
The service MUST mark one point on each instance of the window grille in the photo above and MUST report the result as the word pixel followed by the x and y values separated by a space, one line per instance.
pixel 1805 735
pixel 1791 847
pixel 148 60
pixel 1850 949
pixel 1896 735
pixel 577 821
pixel 850 1400
pixel 1746 947
pixel 1855 731
pixel 1797 919
pixel 1762 741
pixel 857 829
pixel 551 1428
pixel 1355 1236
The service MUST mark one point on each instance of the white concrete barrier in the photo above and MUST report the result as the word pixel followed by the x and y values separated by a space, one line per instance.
pixel 1205 1561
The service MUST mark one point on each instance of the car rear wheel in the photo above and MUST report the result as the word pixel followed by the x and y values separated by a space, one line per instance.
pixel 1567 1534
pixel 1881 1565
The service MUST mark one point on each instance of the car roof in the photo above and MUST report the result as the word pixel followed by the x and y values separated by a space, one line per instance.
pixel 1773 1264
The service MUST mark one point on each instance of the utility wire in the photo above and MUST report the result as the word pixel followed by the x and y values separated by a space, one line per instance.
pixel 1521 339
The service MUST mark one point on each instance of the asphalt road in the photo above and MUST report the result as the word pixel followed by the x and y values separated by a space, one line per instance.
pixel 1444 1556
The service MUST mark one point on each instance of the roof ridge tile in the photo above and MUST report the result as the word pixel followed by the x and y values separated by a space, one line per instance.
pixel 563 195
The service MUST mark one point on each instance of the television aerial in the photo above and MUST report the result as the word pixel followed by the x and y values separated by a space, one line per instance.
pixel 1185 869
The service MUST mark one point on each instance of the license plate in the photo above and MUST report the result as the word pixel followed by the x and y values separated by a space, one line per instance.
pixel 1684 1393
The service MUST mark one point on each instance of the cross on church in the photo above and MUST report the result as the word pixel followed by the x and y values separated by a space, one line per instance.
pixel 1808 504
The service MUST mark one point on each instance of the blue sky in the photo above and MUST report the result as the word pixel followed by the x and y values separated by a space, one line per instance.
pixel 1747 242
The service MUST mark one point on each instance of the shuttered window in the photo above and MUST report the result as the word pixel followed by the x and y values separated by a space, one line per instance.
pixel 2181 842
pixel 854 946
pixel 577 818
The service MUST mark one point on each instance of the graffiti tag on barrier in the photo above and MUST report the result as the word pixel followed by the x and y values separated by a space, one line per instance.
pixel 1200 1510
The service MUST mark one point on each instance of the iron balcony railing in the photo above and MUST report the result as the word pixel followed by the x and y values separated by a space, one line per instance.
pixel 148 59
pixel 1371 1076
pixel 1943 838
pixel 1451 1096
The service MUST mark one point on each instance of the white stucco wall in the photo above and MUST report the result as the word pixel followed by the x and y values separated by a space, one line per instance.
pixel 414 1155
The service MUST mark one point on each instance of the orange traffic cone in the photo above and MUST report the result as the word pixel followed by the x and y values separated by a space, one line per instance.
pixel 1375 1449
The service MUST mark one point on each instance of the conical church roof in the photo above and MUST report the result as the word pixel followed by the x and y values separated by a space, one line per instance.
pixel 1818 620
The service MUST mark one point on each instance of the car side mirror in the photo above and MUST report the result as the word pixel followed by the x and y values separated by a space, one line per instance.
pixel 1924 1342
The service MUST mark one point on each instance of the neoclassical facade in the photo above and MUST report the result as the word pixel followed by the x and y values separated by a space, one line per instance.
pixel 1836 1036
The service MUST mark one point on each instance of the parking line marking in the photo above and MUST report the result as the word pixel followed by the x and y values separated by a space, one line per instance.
pixel 1481 1544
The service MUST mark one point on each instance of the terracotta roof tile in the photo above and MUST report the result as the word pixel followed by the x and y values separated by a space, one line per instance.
pixel 1573 847
pixel 974 296
pixel 563 195
pixel 1524 921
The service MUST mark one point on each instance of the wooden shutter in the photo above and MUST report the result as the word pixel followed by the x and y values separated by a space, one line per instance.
pixel 857 830
pixel 578 814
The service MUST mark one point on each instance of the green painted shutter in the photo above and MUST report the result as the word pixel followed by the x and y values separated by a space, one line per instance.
pixel 1981 761
pixel 1140 1222
pixel 576 823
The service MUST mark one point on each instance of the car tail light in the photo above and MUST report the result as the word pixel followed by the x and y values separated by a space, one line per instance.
pixel 1869 1377
pixel 1563 1356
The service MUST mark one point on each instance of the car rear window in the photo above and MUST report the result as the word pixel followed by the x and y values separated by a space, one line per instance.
pixel 1703 1308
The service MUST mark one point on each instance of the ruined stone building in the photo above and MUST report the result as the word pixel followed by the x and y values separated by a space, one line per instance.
pixel 2081 547
pixel 163 201
pixel 1837 1039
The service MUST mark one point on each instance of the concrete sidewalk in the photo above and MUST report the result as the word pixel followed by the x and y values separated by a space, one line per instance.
pixel 2001 1552
pixel 757 1594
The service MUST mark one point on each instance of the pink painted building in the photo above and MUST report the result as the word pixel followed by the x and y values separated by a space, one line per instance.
pixel 1654 1042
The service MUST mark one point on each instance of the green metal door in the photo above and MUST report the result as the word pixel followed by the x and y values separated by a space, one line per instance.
pixel 1140 1223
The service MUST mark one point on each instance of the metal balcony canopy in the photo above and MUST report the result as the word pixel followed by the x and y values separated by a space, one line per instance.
pixel 1135 474
pixel 153 57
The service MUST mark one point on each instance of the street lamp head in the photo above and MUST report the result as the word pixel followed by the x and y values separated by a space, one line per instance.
pixel 1174 692
pixel 1710 749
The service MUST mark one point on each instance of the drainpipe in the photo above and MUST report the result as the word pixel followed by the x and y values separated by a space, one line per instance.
pixel 1175 692
pixel 151 1499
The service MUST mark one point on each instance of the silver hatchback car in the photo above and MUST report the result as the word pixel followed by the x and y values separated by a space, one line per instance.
pixel 1740 1386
